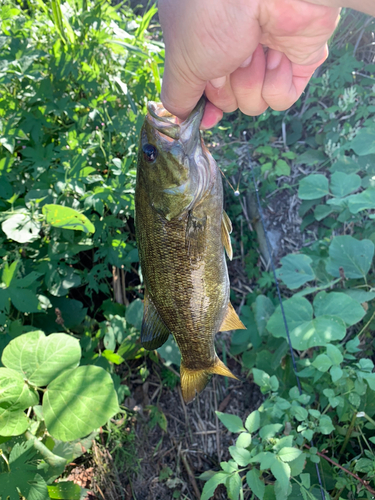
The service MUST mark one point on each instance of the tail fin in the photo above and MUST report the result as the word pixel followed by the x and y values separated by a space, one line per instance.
pixel 194 381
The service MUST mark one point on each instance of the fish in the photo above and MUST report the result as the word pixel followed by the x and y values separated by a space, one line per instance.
pixel 182 234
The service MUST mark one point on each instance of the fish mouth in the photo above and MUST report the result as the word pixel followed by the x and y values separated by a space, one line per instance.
pixel 172 128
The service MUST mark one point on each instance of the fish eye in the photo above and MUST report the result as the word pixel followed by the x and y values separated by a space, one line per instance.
pixel 150 152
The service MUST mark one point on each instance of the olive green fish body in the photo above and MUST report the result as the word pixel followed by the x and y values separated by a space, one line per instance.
pixel 180 225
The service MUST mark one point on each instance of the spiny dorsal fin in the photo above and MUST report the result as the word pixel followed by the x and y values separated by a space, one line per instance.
pixel 231 321
pixel 153 332
pixel 226 229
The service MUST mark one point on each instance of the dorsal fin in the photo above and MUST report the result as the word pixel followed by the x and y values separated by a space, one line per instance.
pixel 153 331
pixel 231 321
pixel 226 229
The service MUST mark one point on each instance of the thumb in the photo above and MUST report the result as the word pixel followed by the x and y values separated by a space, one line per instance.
pixel 181 89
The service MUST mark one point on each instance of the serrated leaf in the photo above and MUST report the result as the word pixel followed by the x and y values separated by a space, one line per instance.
pixel 281 471
pixel 287 454
pixel 255 484
pixel 234 486
pixel 270 430
pixel 232 422
pixel 240 455
pixel 23 475
pixel 211 485
pixel 295 270
pixel 41 359
pixel 67 218
pixel 352 255
pixel 73 406
pixel 243 440
pixel 312 187
pixel 252 423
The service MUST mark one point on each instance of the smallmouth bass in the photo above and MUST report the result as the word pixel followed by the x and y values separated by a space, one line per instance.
pixel 182 231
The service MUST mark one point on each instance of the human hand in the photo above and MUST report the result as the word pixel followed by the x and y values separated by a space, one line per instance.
pixel 215 46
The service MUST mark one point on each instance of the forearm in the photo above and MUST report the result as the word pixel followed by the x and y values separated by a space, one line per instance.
pixel 366 6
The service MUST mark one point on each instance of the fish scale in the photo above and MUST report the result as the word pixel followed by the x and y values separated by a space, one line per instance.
pixel 179 226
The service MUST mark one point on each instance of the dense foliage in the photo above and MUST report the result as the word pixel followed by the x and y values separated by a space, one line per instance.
pixel 74 82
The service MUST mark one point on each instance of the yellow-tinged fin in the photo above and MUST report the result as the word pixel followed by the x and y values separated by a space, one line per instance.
pixel 226 229
pixel 194 381
pixel 154 333
pixel 231 321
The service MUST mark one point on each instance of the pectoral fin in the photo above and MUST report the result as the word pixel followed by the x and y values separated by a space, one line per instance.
pixel 153 331
pixel 226 229
pixel 231 321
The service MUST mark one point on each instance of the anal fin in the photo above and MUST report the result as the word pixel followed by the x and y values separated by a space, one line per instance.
pixel 154 333
pixel 194 381
pixel 226 229
pixel 231 321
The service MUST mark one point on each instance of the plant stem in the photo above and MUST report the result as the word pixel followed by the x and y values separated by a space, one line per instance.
pixel 348 434
pixel 364 483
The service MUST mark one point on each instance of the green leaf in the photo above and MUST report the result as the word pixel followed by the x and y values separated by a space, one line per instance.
pixel 252 423
pixel 334 354
pixel 234 486
pixel 255 484
pixel 263 309
pixel 288 454
pixel 67 218
pixel 270 430
pixel 231 422
pixel 336 373
pixel 325 425
pixel 65 490
pixel 362 201
pixel 281 471
pixel 322 363
pixel 243 440
pixel 298 311
pixel 265 458
pixel 318 332
pixel 295 270
pixel 340 305
pixel 24 300
pixel 41 359
pixel 343 184
pixel 23 475
pixel 240 455
pixel 211 485
pixel 312 187
pixel 13 423
pixel 170 352
pixel 21 228
pixel 73 406
pixel 134 313
pixel 9 272
pixel 15 393
pixel 352 255
pixel 297 465
pixel 364 142
pixel 322 211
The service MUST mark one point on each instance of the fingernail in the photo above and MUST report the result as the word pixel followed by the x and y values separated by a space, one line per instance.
pixel 218 82
pixel 246 62
pixel 273 59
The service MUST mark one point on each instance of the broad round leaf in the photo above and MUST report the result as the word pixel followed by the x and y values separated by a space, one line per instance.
pixel 295 270
pixel 354 256
pixel 340 305
pixel 362 201
pixel 13 423
pixel 343 184
pixel 21 228
pixel 79 401
pixel 318 332
pixel 263 309
pixel 67 218
pixel 24 300
pixel 41 359
pixel 364 142
pixel 313 186
pixel 298 311
pixel 134 313
pixel 15 394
